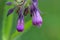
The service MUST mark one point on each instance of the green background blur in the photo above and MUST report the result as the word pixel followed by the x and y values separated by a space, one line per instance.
pixel 50 29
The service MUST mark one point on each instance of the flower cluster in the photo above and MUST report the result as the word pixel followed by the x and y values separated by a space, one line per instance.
pixel 22 11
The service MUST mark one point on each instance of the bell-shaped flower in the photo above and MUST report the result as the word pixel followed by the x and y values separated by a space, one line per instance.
pixel 36 18
pixel 20 24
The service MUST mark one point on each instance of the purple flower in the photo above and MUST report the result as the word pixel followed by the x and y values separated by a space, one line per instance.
pixel 20 24
pixel 23 9
pixel 10 11
pixel 36 18
pixel 9 3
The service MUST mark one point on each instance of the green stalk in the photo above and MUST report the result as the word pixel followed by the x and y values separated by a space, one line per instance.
pixel 7 24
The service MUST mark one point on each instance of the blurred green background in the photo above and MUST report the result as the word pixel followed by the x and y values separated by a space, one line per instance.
pixel 50 29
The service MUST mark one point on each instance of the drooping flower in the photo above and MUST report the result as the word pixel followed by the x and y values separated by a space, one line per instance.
pixel 23 9
pixel 36 17
pixel 20 24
